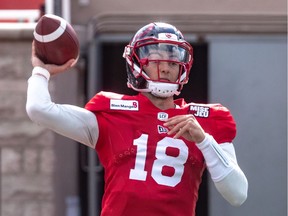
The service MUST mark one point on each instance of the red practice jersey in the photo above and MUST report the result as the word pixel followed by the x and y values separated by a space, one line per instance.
pixel 147 172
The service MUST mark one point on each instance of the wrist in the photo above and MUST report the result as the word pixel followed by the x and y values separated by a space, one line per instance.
pixel 203 139
pixel 40 71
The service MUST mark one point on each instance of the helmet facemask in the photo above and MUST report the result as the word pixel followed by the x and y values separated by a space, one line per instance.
pixel 158 66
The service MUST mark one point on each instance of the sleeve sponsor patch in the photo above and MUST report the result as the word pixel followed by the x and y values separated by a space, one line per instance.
pixel 118 104
pixel 200 111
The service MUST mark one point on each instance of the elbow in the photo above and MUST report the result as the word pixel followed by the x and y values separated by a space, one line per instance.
pixel 34 112
pixel 239 199
pixel 234 188
pixel 240 193
pixel 237 196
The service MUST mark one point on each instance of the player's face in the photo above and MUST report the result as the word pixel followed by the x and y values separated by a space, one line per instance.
pixel 162 66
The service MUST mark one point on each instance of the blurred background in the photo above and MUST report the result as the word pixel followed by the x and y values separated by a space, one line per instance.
pixel 240 61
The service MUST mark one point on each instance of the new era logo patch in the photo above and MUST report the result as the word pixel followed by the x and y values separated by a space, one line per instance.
pixel 162 129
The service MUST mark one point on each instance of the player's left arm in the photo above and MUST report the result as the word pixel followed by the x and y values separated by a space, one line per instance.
pixel 225 172
pixel 220 157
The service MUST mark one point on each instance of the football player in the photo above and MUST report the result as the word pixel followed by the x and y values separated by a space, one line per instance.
pixel 153 148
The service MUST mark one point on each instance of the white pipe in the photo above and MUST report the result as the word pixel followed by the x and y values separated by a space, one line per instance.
pixel 20 15
pixel 66 10
pixel 49 6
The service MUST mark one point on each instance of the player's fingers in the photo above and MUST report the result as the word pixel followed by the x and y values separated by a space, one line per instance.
pixel 32 52
pixel 179 133
pixel 75 61
pixel 176 128
pixel 70 63
pixel 55 69
pixel 183 132
pixel 174 120
pixel 33 48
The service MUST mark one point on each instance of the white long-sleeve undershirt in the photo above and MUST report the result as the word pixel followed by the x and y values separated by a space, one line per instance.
pixel 81 125
pixel 71 121
pixel 222 165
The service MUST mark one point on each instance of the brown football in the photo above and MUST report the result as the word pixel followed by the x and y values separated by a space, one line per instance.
pixel 56 41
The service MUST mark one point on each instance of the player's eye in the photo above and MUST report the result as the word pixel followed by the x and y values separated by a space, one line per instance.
pixel 173 64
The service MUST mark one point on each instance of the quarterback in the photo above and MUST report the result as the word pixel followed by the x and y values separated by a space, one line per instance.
pixel 153 148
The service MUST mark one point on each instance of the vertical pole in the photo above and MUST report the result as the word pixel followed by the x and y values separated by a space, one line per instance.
pixel 91 184
pixel 49 6
pixel 0 181
pixel 66 10
pixel 93 86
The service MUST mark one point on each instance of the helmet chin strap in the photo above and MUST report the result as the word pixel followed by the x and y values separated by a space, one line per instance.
pixel 163 90
pixel 158 89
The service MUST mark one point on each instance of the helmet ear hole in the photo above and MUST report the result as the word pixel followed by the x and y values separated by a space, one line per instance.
pixel 137 82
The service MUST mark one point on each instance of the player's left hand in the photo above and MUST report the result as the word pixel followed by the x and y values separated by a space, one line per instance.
pixel 186 126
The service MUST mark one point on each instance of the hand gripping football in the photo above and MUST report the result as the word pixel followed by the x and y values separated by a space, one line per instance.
pixel 56 41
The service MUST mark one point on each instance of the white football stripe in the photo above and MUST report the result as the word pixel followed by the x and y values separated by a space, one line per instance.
pixel 54 35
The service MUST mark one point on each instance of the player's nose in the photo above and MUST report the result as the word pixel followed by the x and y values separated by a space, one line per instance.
pixel 164 67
